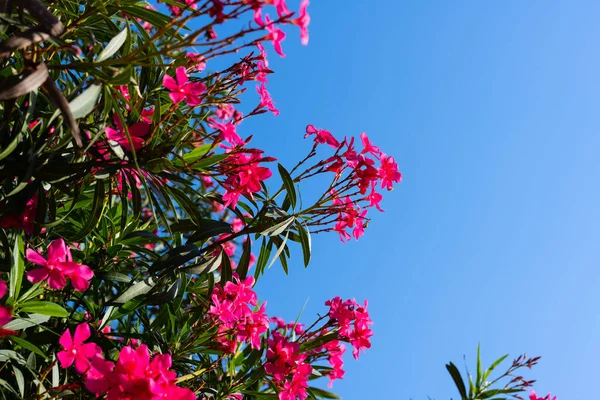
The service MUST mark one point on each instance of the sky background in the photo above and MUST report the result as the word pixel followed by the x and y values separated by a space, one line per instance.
pixel 491 111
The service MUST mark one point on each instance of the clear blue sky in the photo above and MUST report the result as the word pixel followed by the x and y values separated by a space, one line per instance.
pixel 491 110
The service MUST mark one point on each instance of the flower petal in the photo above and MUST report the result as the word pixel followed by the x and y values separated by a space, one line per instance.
pixel 170 83
pixel 66 340
pixel 66 358
pixel 182 77
pixel 37 275
pixel 35 257
pixel 82 333
pixel 57 251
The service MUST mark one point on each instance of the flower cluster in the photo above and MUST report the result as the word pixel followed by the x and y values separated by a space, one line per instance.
pixel 533 396
pixel 58 267
pixel 135 376
pixel 357 177
pixel 234 307
pixel 288 367
pixel 244 175
pixel 352 321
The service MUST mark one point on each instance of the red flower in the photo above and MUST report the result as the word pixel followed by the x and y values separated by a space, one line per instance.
pixel 137 133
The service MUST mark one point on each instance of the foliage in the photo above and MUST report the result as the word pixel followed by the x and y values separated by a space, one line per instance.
pixel 131 207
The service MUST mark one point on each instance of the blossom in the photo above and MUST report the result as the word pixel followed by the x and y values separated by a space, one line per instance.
pixel 137 133
pixel 265 99
pixel 183 89
pixel 225 111
pixel 275 35
pixel 228 132
pixel 303 21
pixel 352 321
pixel 196 61
pixel 322 136
pixel 23 220
pixel 135 376
pixel 244 176
pixel 533 396
pixel 75 350
pixel 58 267
pixel 368 147
pixel 388 172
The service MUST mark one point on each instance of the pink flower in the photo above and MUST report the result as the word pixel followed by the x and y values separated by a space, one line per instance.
pixel 534 396
pixel 275 35
pixel 147 114
pixel 23 220
pixel 265 99
pixel 374 199
pixel 196 61
pixel 388 172
pixel 302 21
pixel 228 132
pixel 182 89
pixel 137 133
pixel 225 111
pixel 368 147
pixel 322 136
pixel 58 267
pixel 77 351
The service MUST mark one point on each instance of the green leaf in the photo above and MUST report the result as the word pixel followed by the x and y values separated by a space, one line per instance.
pixel 20 380
pixel 16 271
pixel 263 257
pixel 96 212
pixel 19 324
pixel 205 267
pixel 458 381
pixel 479 369
pixel 305 241
pixel 209 228
pixel 27 345
pixel 324 394
pixel 138 289
pixel 204 163
pixel 244 263
pixel 492 367
pixel 44 308
pixel 192 156
pixel 288 182
pixel 113 46
pixel 176 257
pixel 226 272
pixel 278 252
pixel 83 104
pixel 279 228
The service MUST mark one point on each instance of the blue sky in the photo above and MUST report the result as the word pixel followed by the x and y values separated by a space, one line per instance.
pixel 490 109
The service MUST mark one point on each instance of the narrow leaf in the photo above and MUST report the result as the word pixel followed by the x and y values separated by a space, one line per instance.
pixel 83 104
pixel 113 46
pixel 44 308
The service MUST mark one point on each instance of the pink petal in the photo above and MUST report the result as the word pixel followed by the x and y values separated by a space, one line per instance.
pixel 2 289
pixel 81 364
pixel 56 279
pixel 66 358
pixel 170 83
pixel 195 88
pixel 37 275
pixel 82 333
pixel 66 340
pixel 182 77
pixel 176 97
pixel 35 257
pixel 89 350
pixel 117 122
pixel 113 134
